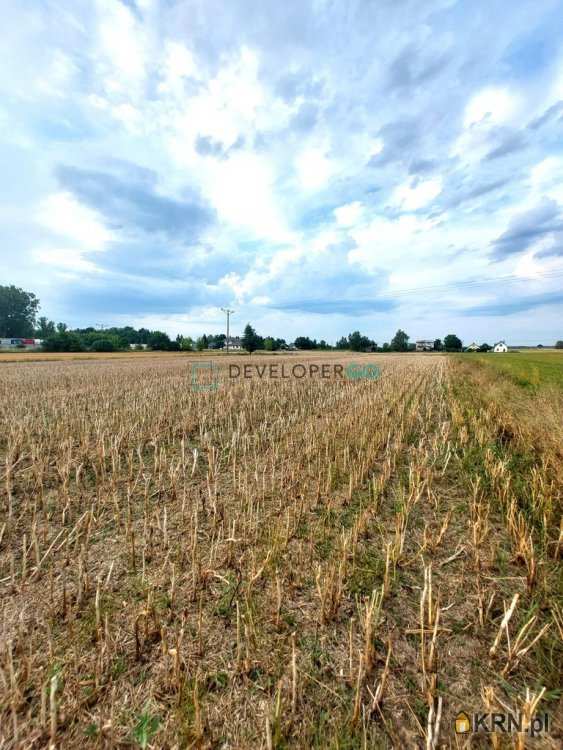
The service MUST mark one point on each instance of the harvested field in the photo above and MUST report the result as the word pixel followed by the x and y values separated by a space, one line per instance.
pixel 275 562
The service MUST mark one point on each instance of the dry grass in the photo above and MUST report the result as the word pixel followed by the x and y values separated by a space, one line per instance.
pixel 287 563
pixel 144 356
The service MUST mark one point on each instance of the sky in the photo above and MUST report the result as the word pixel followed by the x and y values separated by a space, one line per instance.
pixel 319 166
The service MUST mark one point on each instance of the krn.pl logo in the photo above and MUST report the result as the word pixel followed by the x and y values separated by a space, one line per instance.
pixel 462 723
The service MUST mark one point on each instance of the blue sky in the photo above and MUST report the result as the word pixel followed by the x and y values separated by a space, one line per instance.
pixel 320 166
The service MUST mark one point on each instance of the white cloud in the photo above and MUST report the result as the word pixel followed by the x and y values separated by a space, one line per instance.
pixel 121 47
pixel 490 105
pixel 375 147
pixel 349 214
pixel 68 259
pixel 546 178
pixel 65 216
pixel 242 190
pixel 59 75
pixel 178 65
pixel 260 300
pixel 227 107
pixel 486 111
pixel 384 243
pixel 413 195
pixel 313 168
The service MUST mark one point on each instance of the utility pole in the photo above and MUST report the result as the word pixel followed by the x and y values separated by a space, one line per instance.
pixel 228 313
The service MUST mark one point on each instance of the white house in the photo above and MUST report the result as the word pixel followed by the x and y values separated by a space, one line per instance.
pixel 424 345
pixel 474 347
pixel 500 346
pixel 234 343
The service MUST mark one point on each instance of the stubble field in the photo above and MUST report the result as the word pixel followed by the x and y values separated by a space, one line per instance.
pixel 276 563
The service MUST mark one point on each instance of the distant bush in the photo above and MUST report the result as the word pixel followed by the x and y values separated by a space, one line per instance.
pixel 159 341
pixel 102 345
pixel 63 342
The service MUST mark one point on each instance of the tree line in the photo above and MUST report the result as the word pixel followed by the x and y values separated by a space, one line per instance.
pixel 355 342
pixel 18 319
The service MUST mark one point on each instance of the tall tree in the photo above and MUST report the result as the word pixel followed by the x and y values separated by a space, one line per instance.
pixel 452 343
pixel 159 341
pixel 250 339
pixel 202 343
pixel 438 345
pixel 400 341
pixel 304 342
pixel 18 310
pixel 45 328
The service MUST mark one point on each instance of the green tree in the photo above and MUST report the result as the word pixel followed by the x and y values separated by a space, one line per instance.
pixel 400 342
pixel 559 344
pixel 269 344
pixel 143 335
pixel 250 339
pixel 202 343
pixel 359 343
pixel 438 345
pixel 63 342
pixel 304 342
pixel 159 341
pixel 186 343
pixel 485 348
pixel 216 341
pixel 102 345
pixel 452 343
pixel 17 312
pixel 90 336
pixel 44 328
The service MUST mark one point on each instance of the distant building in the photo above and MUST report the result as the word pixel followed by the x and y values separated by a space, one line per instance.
pixel 136 346
pixel 500 346
pixel 234 343
pixel 474 347
pixel 424 345
pixel 20 343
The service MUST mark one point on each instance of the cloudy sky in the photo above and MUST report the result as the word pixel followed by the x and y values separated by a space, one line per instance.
pixel 320 166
